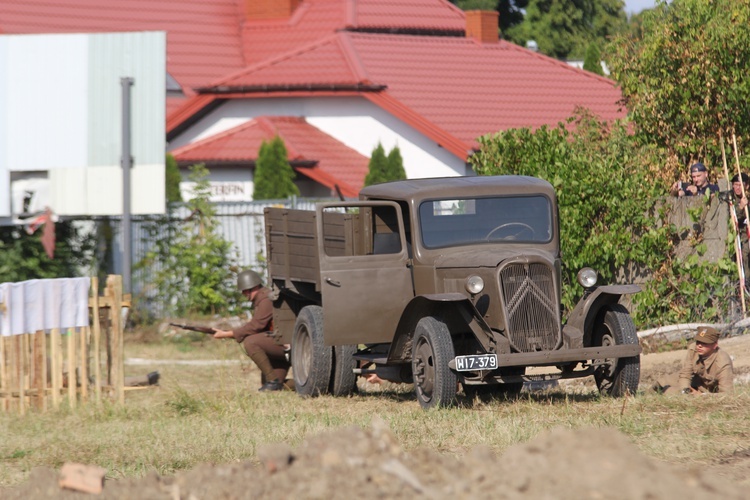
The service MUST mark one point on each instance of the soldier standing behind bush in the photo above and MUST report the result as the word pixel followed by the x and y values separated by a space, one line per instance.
pixel 699 186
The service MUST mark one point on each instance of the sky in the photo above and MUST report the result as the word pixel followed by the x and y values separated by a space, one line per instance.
pixel 635 6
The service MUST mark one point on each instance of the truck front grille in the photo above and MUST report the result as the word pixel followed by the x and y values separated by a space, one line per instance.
pixel 532 310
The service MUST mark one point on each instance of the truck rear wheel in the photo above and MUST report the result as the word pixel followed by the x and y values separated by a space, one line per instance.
pixel 434 382
pixel 343 378
pixel 311 358
pixel 619 376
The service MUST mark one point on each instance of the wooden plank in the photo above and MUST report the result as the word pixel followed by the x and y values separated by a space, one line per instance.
pixel 3 374
pixel 71 354
pixel 84 361
pixel 20 375
pixel 40 369
pixel 55 355
pixel 96 332
pixel 114 283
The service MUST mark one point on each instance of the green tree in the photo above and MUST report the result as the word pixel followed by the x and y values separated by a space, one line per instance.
pixel 396 170
pixel 274 177
pixel 593 60
pixel 564 28
pixel 378 167
pixel 684 79
pixel 511 11
pixel 190 266
pixel 22 256
pixel 173 178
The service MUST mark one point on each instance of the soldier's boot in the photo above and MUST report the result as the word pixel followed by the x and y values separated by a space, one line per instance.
pixel 272 383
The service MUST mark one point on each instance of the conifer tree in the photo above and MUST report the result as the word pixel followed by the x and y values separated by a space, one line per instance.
pixel 593 59
pixel 274 177
pixel 172 180
pixel 396 170
pixel 378 168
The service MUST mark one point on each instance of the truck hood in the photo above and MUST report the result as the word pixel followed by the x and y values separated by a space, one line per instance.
pixel 490 257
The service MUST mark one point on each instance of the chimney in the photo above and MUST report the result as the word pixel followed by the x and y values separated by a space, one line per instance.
pixel 483 25
pixel 256 10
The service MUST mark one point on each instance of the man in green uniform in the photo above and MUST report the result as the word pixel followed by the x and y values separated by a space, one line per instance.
pixel 706 368
pixel 269 356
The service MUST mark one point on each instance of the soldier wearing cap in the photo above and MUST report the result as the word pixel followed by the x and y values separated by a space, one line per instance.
pixel 269 356
pixel 699 176
pixel 706 368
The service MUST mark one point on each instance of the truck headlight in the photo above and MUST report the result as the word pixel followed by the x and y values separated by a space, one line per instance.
pixel 587 277
pixel 474 284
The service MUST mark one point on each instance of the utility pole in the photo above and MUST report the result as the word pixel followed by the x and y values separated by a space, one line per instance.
pixel 127 162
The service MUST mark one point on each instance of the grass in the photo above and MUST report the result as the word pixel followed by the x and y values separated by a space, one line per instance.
pixel 214 414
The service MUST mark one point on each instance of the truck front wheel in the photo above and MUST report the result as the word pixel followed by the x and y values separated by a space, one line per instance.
pixel 343 378
pixel 617 377
pixel 311 358
pixel 434 382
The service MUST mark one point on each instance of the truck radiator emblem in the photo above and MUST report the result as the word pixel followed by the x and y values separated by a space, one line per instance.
pixel 533 319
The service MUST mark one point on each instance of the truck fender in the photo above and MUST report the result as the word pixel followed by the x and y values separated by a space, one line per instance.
pixel 451 307
pixel 582 317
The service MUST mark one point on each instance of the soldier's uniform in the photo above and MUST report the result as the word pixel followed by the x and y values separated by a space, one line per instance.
pixel 711 374
pixel 257 344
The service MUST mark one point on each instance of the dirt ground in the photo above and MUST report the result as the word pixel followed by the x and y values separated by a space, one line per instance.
pixel 371 463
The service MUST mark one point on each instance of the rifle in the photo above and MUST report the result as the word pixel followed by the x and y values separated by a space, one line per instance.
pixel 194 328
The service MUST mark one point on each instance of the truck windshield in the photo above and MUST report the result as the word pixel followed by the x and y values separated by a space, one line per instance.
pixel 512 219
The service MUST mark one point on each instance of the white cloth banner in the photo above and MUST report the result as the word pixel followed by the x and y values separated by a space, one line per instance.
pixel 35 305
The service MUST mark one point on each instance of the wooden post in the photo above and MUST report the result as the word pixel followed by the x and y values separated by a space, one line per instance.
pixel 82 333
pixel 118 375
pixel 71 352
pixel 3 376
pixel 55 349
pixel 97 332
pixel 20 375
pixel 40 369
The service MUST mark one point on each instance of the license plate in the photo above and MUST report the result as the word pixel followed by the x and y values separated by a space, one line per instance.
pixel 476 362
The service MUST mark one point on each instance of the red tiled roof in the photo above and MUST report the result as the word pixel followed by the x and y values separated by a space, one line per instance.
pixel 314 19
pixel 453 89
pixel 202 36
pixel 335 162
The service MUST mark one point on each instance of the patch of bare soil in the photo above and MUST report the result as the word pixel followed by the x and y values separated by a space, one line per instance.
pixel 354 462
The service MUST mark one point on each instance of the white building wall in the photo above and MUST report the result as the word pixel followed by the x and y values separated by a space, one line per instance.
pixel 354 121
pixel 61 121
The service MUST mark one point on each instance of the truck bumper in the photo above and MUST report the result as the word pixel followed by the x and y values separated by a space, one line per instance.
pixel 552 358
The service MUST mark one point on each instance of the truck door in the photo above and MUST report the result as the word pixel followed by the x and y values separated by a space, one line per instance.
pixel 365 272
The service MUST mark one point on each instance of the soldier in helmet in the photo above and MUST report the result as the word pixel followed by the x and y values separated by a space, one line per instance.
pixel 260 347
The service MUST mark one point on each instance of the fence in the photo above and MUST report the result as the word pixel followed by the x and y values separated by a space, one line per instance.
pixel 60 358
pixel 240 223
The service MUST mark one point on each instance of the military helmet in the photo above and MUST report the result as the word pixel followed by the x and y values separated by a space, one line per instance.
pixel 247 280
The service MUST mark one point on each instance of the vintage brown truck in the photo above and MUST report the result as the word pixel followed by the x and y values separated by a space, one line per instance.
pixel 440 282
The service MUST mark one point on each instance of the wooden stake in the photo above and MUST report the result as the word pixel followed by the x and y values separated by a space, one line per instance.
pixel 118 375
pixel 55 348
pixel 84 345
pixel 97 332
pixel 71 352
pixel 40 369
pixel 21 375
pixel 3 375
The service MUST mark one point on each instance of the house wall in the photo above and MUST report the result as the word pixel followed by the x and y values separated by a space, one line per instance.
pixel 354 121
